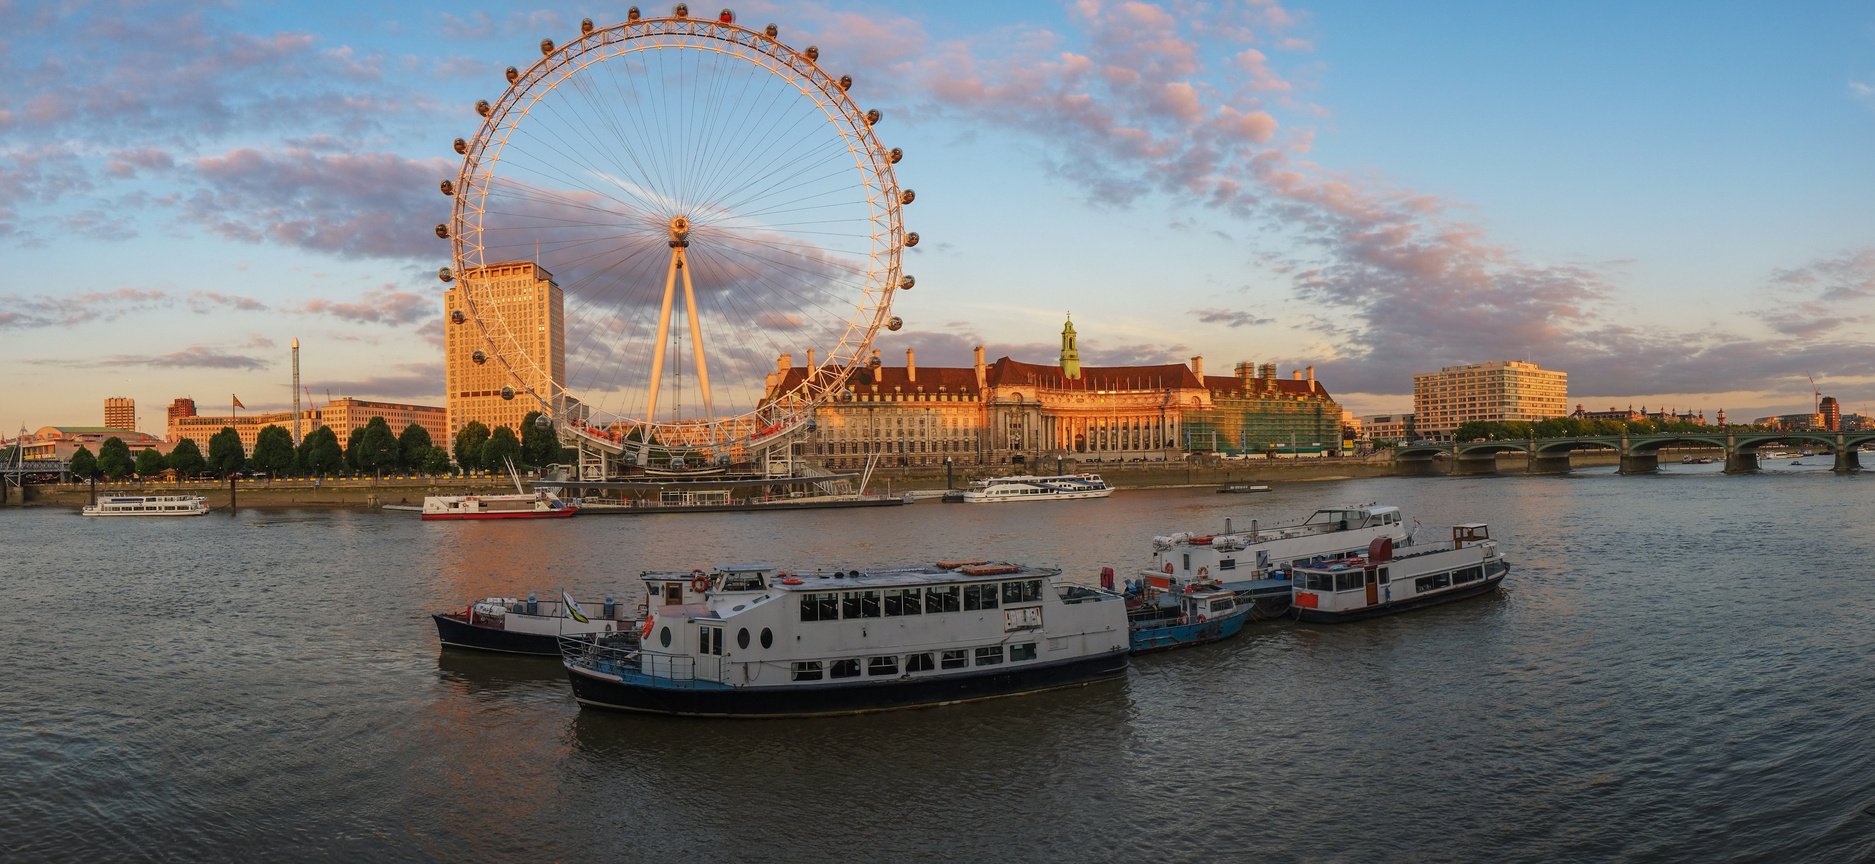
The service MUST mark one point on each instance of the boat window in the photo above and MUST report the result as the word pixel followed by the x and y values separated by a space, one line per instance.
pixel 1347 580
pixel 868 604
pixel 941 599
pixel 1319 581
pixel 742 638
pixel 904 601
pixel 1223 604
pixel 1227 564
pixel 820 607
pixel 989 655
pixel 848 668
pixel 807 670
pixel 664 636
pixel 1026 591
pixel 979 596
pixel 882 665
pixel 710 640
pixel 954 659
pixel 768 638
pixel 1187 560
pixel 673 593
pixel 1469 574
pixel 1383 575
pixel 1021 651
pixel 918 663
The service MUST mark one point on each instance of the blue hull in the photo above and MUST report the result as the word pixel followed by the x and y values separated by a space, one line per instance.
pixel 1182 635
pixel 633 692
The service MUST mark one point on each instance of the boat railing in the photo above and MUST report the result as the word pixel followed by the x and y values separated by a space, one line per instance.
pixel 617 655
pixel 1072 594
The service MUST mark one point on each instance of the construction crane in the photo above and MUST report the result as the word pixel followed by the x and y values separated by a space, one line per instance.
pixel 1816 396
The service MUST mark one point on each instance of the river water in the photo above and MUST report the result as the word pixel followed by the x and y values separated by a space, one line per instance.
pixel 1679 668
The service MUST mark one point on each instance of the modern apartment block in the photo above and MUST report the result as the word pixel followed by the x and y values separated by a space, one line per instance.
pixel 120 413
pixel 506 329
pixel 1506 391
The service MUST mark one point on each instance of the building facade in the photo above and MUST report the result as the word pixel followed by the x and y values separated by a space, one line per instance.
pixel 60 442
pixel 1254 411
pixel 1389 427
pixel 201 427
pixel 1507 391
pixel 120 413
pixel 344 415
pixel 506 339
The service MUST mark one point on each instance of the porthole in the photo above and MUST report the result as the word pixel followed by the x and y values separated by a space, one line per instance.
pixel 742 638
pixel 768 638
pixel 664 637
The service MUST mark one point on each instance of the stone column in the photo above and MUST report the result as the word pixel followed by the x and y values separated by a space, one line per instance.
pixel 1639 463
pixel 1846 460
pixel 1548 464
pixel 1470 464
pixel 1738 461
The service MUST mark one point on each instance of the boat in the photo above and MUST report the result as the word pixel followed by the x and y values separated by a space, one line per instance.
pixel 538 504
pixel 1059 487
pixel 759 641
pixel 1252 562
pixel 1158 619
pixel 1238 489
pixel 1696 460
pixel 148 505
pixel 1381 582
pixel 530 626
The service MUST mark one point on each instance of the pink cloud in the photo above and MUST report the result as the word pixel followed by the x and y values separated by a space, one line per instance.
pixel 384 305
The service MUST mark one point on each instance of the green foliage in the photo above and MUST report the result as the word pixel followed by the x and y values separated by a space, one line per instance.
pixel 413 447
pixel 319 452
pixel 540 446
pixel 469 441
pixel 501 447
pixel 114 458
pixel 378 447
pixel 186 458
pixel 436 461
pixel 226 456
pixel 84 465
pixel 354 449
pixel 150 463
pixel 273 451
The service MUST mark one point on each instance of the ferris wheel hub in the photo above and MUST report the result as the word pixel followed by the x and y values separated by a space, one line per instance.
pixel 680 232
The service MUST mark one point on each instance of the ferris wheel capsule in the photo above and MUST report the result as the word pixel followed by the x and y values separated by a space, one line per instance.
pixel 507 393
pixel 456 316
pixel 461 146
pixel 543 422
pixel 479 357
pixel 726 16
pixel 448 187
pixel 442 231
pixel 546 47
pixel 907 196
pixel 813 53
pixel 585 26
pixel 631 14
pixel 905 282
pixel 682 11
pixel 896 155
pixel 911 239
pixel 873 117
pixel 445 274
pixel 513 74
pixel 846 82
pixel 481 107
pixel 894 324
pixel 771 31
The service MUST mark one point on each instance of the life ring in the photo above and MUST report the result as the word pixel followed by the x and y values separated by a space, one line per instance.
pixel 790 581
pixel 1168 567
pixel 699 582
pixel 1203 571
pixel 1201 619
pixel 645 632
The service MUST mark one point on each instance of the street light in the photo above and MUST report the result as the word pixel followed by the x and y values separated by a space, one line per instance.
pixel 947 473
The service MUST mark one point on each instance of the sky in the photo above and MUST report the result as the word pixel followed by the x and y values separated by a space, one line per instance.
pixel 1674 203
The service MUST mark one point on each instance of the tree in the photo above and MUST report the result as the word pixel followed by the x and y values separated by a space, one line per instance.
pixel 319 453
pixel 226 456
pixel 540 443
pixel 186 458
pixel 469 441
pixel 501 447
pixel 413 447
pixel 150 463
pixel 114 458
pixel 84 466
pixel 273 451
pixel 354 449
pixel 436 461
pixel 378 448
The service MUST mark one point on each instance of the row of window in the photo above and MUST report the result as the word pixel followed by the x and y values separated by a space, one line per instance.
pixel 893 602
pixel 1445 580
pixel 888 665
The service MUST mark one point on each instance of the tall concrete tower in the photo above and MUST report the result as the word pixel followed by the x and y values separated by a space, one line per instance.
pixel 1070 353
pixel 296 439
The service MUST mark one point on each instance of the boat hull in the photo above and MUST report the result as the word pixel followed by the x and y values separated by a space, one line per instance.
pixel 1052 496
pixel 1148 639
pixel 1317 616
pixel 518 514
pixel 458 633
pixel 710 699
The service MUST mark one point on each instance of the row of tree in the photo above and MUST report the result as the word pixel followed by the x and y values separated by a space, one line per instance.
pixel 1574 427
pixel 370 449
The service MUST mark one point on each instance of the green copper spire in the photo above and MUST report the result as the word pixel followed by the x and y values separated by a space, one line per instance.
pixel 1070 358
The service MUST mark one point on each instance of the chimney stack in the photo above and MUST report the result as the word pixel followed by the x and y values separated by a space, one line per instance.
pixel 982 374
pixel 911 367
pixel 782 363
pixel 810 362
pixel 1311 379
pixel 1295 374
pixel 1197 367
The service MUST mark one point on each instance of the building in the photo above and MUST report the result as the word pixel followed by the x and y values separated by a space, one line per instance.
pixel 201 427
pixel 60 442
pixel 506 340
pixel 1507 391
pixel 1011 412
pixel 120 413
pixel 179 408
pixel 1389 427
pixel 1831 413
pixel 343 415
pixel 346 414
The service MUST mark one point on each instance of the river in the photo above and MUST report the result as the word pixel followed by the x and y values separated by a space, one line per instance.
pixel 1679 668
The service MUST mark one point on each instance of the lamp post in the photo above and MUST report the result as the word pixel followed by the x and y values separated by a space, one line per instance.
pixel 947 473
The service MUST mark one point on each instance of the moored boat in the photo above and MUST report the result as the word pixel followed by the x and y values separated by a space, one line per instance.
pixel 148 505
pixel 1382 582
pixel 1240 489
pixel 1251 562
pixel 1158 619
pixel 539 504
pixel 530 626
pixel 761 642
pixel 1059 487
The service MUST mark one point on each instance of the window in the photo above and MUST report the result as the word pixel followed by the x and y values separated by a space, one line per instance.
pixel 807 670
pixel 1026 591
pixel 941 599
pixel 742 638
pixel 868 604
pixel 664 636
pixel 979 596
pixel 1021 651
pixel 918 663
pixel 1347 580
pixel 990 655
pixel 843 668
pixel 882 665
pixel 903 601
pixel 768 638
pixel 1383 575
pixel 953 660
pixel 1227 564
pixel 1186 556
pixel 820 607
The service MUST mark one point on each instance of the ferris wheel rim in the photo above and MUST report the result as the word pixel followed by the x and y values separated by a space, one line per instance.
pixel 872 163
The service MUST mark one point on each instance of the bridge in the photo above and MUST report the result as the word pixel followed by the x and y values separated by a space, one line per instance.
pixel 1640 454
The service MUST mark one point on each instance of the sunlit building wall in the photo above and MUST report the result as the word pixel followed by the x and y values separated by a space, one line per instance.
pixel 1507 391
pixel 523 311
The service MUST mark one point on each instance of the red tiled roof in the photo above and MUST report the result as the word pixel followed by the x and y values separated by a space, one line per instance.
pixel 1015 373
pixel 1231 385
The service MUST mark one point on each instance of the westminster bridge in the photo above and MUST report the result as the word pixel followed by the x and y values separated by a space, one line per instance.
pixel 1640 454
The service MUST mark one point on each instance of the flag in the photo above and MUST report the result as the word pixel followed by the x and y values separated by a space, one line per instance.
pixel 572 608
pixel 236 400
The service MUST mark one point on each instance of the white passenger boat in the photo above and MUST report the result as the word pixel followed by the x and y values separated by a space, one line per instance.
pixel 148 505
pixel 531 626
pixel 759 642
pixel 539 504
pixel 1250 562
pixel 1382 582
pixel 1059 487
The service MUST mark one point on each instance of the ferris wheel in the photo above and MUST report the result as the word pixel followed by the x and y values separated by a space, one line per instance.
pixel 706 201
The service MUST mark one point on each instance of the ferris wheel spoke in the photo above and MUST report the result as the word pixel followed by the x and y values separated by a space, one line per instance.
pixel 612 184
pixel 759 136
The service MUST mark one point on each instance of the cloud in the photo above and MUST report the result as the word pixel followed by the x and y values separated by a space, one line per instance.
pixel 384 305
pixel 204 302
pixel 405 381
pixel 1863 91
pixel 1231 317
pixel 353 205
pixel 192 357
pixel 1825 296
pixel 41 311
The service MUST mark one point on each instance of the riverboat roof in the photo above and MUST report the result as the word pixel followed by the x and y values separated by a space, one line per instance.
pixel 845 580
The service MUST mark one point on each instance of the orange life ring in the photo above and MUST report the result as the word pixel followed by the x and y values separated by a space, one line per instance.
pixel 699 582
pixel 1168 567
pixel 790 581
pixel 1201 619
pixel 645 633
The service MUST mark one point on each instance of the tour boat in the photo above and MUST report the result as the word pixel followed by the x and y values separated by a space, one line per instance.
pixel 1059 487
pixel 1249 562
pixel 1159 619
pixel 761 642
pixel 1238 489
pixel 539 504
pixel 1382 582
pixel 148 505
pixel 530 626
